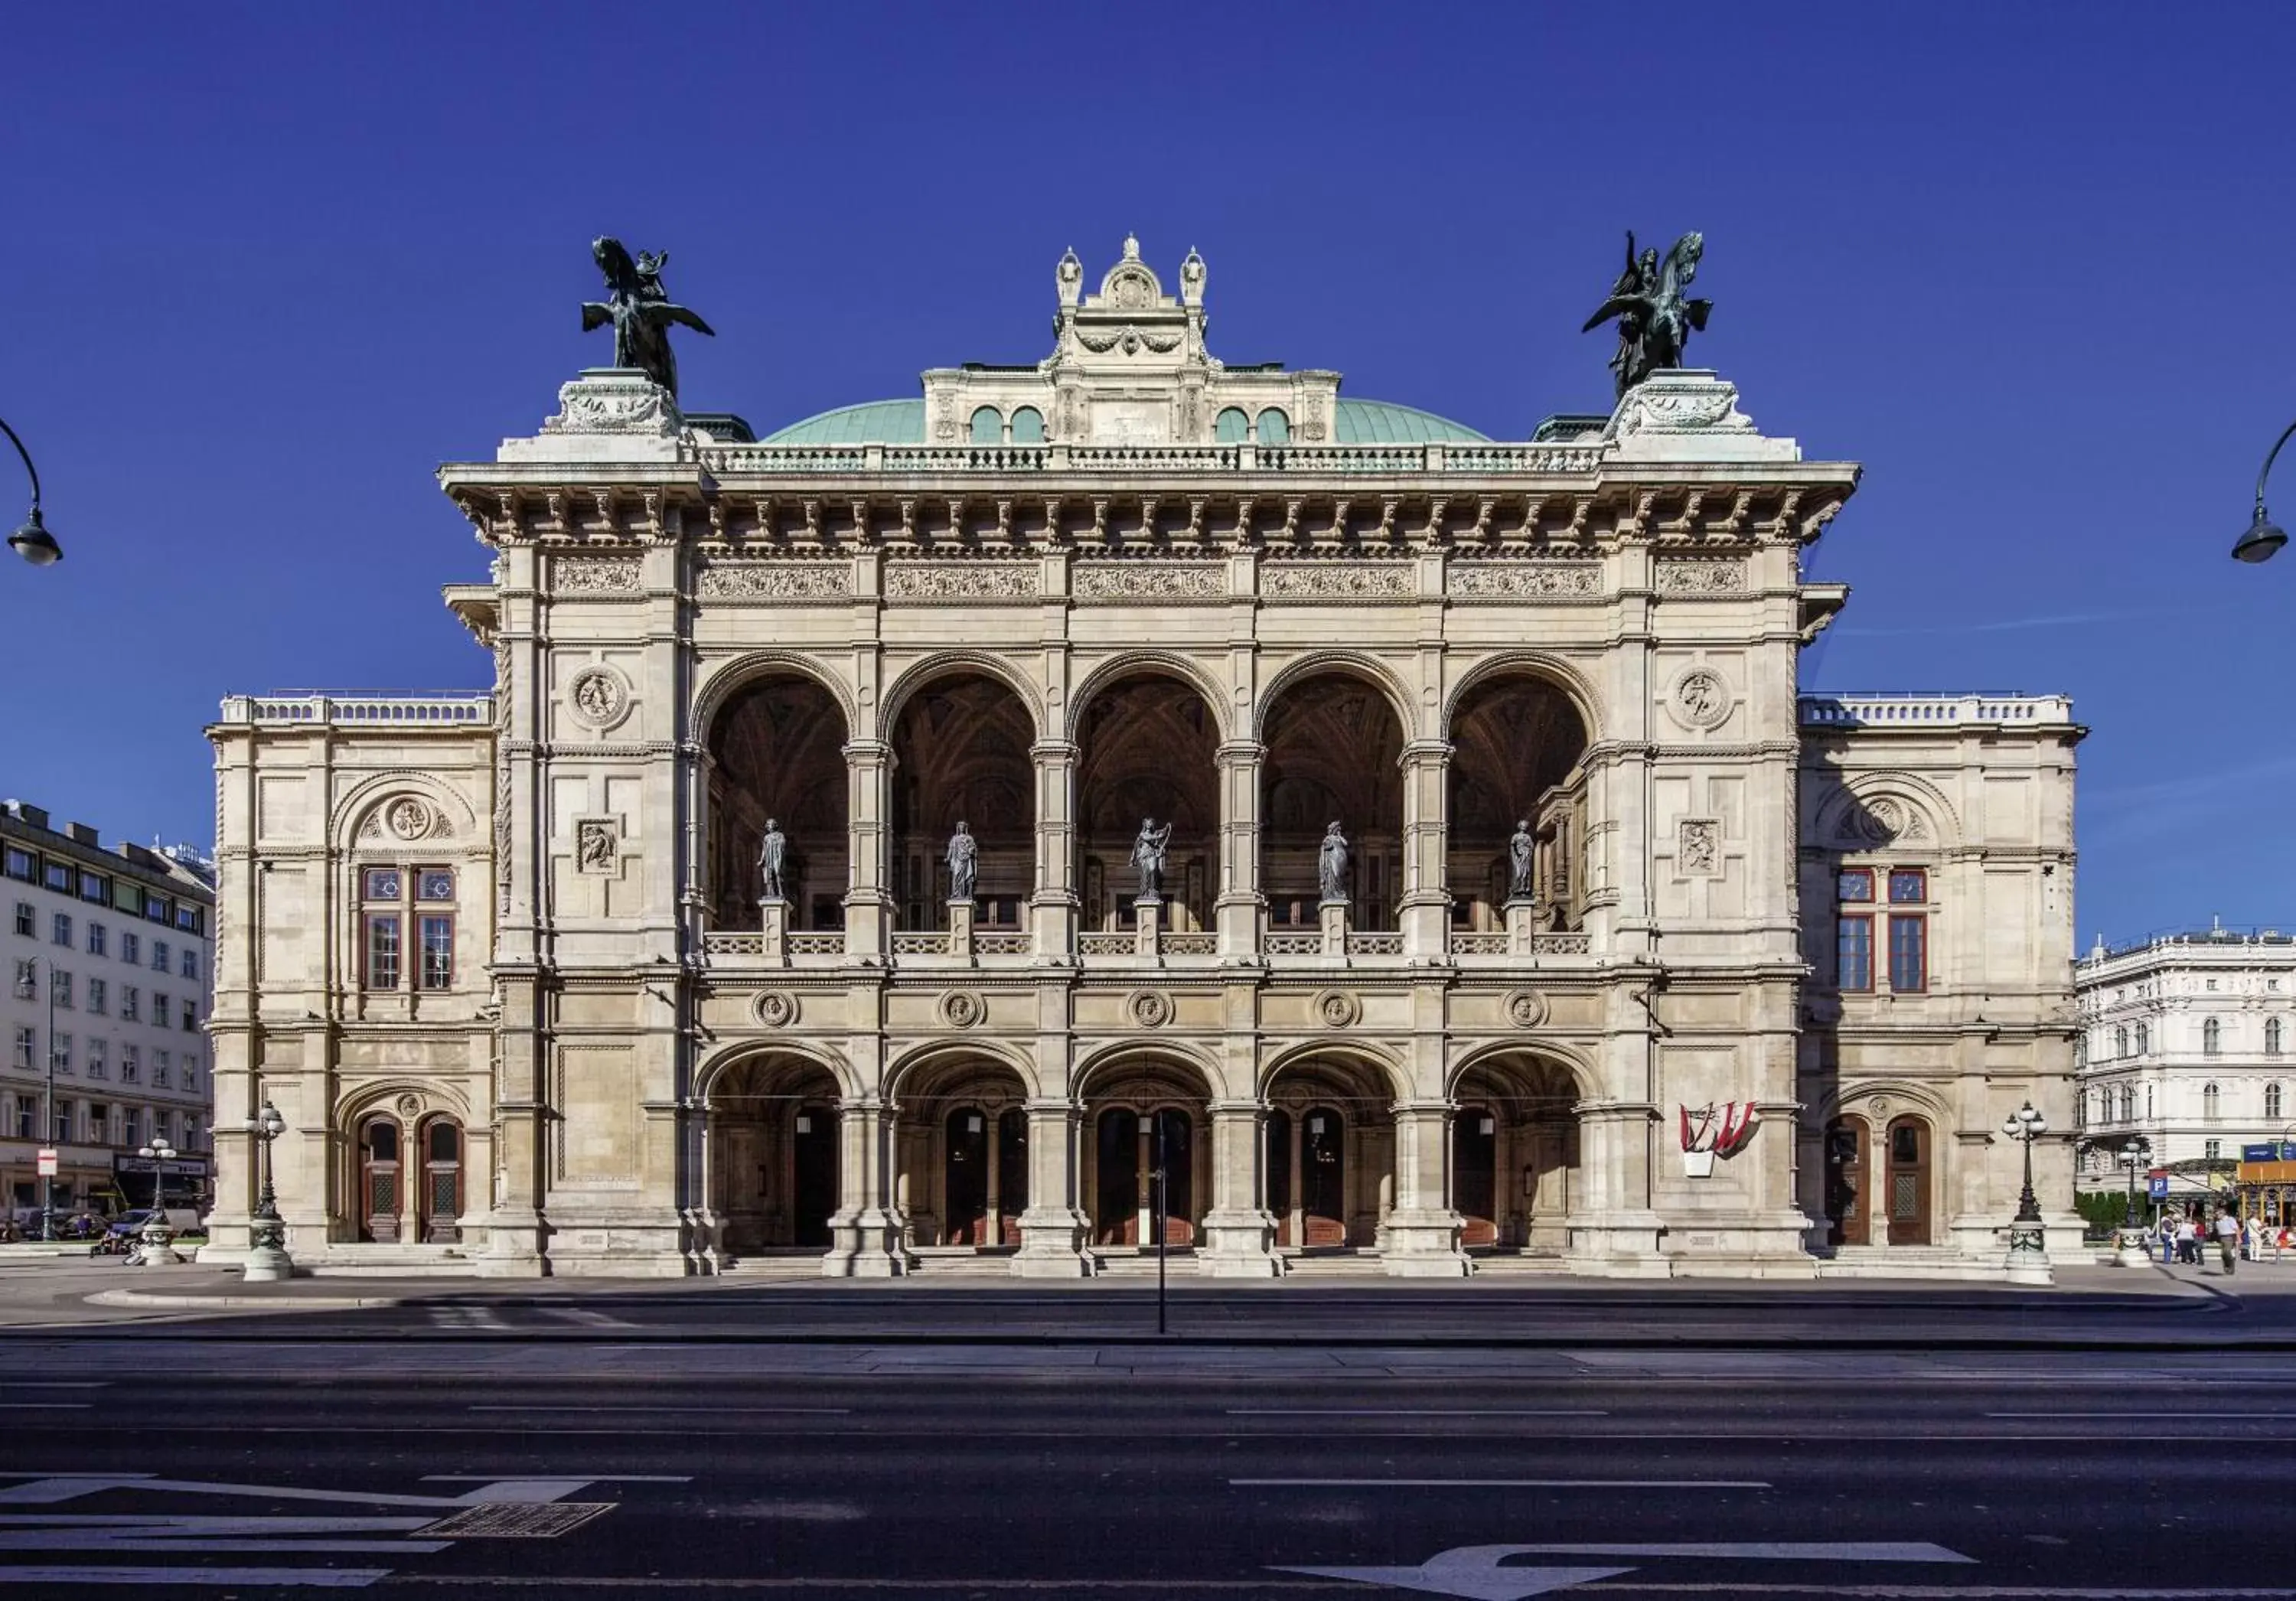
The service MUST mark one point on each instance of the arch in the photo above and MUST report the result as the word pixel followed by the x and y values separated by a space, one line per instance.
pixel 380 1137
pixel 1570 1058
pixel 715 1067
pixel 1340 663
pixel 1333 747
pixel 1231 426
pixel 1912 1173
pixel 2211 1039
pixel 1147 746
pixel 777 752
pixel 2272 1037
pixel 2273 1101
pixel 1843 816
pixel 1095 1072
pixel 1516 1153
pixel 726 679
pixel 913 678
pixel 1563 675
pixel 1854 1098
pixel 921 1068
pixel 771 1138
pixel 1027 426
pixel 1361 1054
pixel 442 1182
pixel 1137 1099
pixel 986 427
pixel 1274 426
pixel 1516 801
pixel 357 803
pixel 381 1095
pixel 2211 1102
pixel 1111 674
pixel 961 753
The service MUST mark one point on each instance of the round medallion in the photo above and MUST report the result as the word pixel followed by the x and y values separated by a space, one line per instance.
pixel 961 1008
pixel 1149 1009
pixel 410 1106
pixel 1337 1009
pixel 775 1008
pixel 599 696
pixel 1526 1008
pixel 408 818
pixel 1700 699
pixel 1879 1104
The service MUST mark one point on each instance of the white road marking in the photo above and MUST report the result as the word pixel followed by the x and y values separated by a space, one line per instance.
pixel 1407 1412
pixel 466 1317
pixel 586 1318
pixel 2181 1416
pixel 1503 1483
pixel 673 1407
pixel 1474 1571
pixel 350 1579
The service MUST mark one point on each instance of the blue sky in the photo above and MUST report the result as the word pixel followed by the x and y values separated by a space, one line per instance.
pixel 268 266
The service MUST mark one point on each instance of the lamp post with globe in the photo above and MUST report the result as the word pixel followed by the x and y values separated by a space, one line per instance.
pixel 2029 1242
pixel 158 1237
pixel 2133 1248
pixel 266 1237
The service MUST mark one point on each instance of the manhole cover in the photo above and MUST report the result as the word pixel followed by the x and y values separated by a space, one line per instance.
pixel 518 1520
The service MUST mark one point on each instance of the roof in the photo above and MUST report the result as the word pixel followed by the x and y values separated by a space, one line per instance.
pixel 903 422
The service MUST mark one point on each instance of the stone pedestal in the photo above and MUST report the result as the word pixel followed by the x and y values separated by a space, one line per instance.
pixel 1333 914
pixel 773 927
pixel 2029 1255
pixel 961 914
pixel 1148 921
pixel 2132 1248
pixel 1522 926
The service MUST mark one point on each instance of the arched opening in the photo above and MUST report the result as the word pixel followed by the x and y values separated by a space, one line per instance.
pixel 1848 1190
pixel 1334 753
pixel 380 1207
pixel 772 1154
pixel 960 759
pixel 1027 426
pixel 1137 1112
pixel 1275 427
pixel 1516 1177
pixel 777 757
pixel 1517 804
pixel 1328 1154
pixel 988 426
pixel 440 1194
pixel 1231 426
pixel 1911 1152
pixel 1148 755
pixel 961 1143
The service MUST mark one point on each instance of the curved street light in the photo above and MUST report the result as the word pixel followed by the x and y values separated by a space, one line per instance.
pixel 33 542
pixel 2263 540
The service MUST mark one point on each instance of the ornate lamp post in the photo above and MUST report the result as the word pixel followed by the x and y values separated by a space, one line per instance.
pixel 2028 1245
pixel 2263 541
pixel 157 1235
pixel 33 542
pixel 2134 1247
pixel 267 1235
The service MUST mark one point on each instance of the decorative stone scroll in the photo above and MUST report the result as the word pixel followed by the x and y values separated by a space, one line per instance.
pixel 1149 581
pixel 593 575
pixel 1694 578
pixel 1523 580
pixel 962 580
pixel 775 580
pixel 1349 581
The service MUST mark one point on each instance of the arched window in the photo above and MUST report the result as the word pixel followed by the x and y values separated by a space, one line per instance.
pixel 1230 426
pixel 1027 426
pixel 2144 1039
pixel 2211 1102
pixel 2211 1037
pixel 2272 1100
pixel 2120 1040
pixel 1275 427
pixel 2272 1037
pixel 988 426
pixel 2128 1104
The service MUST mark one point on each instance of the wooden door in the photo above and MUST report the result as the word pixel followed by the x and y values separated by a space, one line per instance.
pixel 1179 1157
pixel 1012 1172
pixel 1116 1199
pixel 1474 1162
pixel 964 1217
pixel 814 1170
pixel 1909 1142
pixel 379 1206
pixel 1324 1178
pixel 439 1196
pixel 1848 1192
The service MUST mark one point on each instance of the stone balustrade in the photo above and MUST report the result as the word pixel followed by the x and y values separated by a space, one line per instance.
pixel 1940 713
pixel 362 711
pixel 1483 458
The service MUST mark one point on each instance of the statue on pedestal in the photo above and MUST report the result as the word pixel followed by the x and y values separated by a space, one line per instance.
pixel 1521 851
pixel 1331 866
pixel 964 863
pixel 1655 318
pixel 641 311
pixel 1148 856
pixel 772 853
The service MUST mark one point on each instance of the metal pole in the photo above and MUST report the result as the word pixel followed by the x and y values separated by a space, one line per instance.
pixel 47 1095
pixel 1158 1214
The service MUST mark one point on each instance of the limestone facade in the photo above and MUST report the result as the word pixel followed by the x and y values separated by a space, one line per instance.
pixel 1123 606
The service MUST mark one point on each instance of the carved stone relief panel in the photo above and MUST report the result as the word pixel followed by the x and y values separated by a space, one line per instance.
pixel 1704 577
pixel 931 581
pixel 593 575
pixel 1350 581
pixel 1149 581
pixel 1523 580
pixel 598 696
pixel 1700 698
pixel 776 581
pixel 1698 846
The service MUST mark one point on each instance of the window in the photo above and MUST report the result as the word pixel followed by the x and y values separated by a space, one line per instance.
pixel 988 426
pixel 434 883
pixel 1854 883
pixel 1910 954
pixel 2148 1103
pixel 2213 984
pixel 131 1004
pixel 155 910
pixel 131 948
pixel 24 1123
pixel 438 953
pixel 191 1017
pixel 158 955
pixel 2212 1149
pixel 1853 962
pixel 19 865
pixel 60 1128
pixel 158 1009
pixel 95 939
pixel 381 951
pixel 60 1053
pixel 28 978
pixel 1275 427
pixel 2211 1102
pixel 96 887
pixel 161 1078
pixel 59 877
pixel 190 1071
pixel 26 920
pixel 2144 1039
pixel 1230 426
pixel 2272 1037
pixel 2272 1100
pixel 1027 426
pixel 99 1123
pixel 2211 1039
pixel 20 1053
pixel 60 931
pixel 60 988
pixel 381 883
pixel 191 1132
pixel 190 919
pixel 96 996
pixel 97 1066
pixel 131 1064
pixel 191 968
pixel 1908 886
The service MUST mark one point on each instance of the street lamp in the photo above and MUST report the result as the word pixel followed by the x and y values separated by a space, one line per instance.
pixel 2132 1249
pixel 2028 1245
pixel 33 542
pixel 267 1235
pixel 2263 541
pixel 157 1235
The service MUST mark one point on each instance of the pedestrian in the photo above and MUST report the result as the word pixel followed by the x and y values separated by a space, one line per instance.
pixel 2248 1239
pixel 2185 1235
pixel 2167 1240
pixel 2229 1240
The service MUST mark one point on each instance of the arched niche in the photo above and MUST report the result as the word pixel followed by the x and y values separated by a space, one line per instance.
pixel 1517 741
pixel 777 749
pixel 961 755
pixel 1334 748
pixel 1147 748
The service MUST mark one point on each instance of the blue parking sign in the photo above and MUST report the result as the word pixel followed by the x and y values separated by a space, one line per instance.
pixel 2160 1187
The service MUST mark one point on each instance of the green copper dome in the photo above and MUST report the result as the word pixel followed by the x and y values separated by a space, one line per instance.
pixel 903 422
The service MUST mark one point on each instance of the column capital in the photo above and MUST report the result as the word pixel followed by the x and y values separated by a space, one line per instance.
pixel 866 750
pixel 1424 1108
pixel 1234 1108
pixel 1240 752
pixel 1426 753
pixel 1055 750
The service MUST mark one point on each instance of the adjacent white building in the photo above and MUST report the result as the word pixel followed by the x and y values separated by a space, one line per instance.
pixel 110 968
pixel 2186 1041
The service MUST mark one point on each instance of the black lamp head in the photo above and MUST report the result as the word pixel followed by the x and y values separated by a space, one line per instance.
pixel 35 544
pixel 2262 541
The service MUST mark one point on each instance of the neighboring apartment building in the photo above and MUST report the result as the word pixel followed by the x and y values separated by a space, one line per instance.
pixel 2187 1040
pixel 109 956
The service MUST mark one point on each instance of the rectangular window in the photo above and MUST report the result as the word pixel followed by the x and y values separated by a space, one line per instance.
pixel 131 1004
pixel 60 1130
pixel 158 955
pixel 97 1068
pixel 99 1124
pixel 131 947
pixel 26 920
pixel 191 1130
pixel 191 1017
pixel 28 978
pixel 161 1078
pixel 59 877
pixel 190 1072
pixel 158 1009
pixel 155 910
pixel 98 997
pixel 60 931
pixel 21 865
pixel 60 988
pixel 95 938
pixel 1853 884
pixel 96 887
pixel 2212 1149
pixel 1908 886
pixel 438 953
pixel 131 1064
pixel 191 965
pixel 383 952
pixel 60 1053
pixel 381 883
pixel 434 883
pixel 27 1042
pixel 1853 962
pixel 1910 954
pixel 187 918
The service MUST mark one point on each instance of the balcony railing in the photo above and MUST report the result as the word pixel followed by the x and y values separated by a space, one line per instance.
pixel 362 711
pixel 1931 712
pixel 1479 459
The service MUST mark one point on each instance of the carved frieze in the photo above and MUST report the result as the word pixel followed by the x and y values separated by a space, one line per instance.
pixel 1149 581
pixel 593 575
pixel 775 580
pixel 1523 580
pixel 1337 581
pixel 1692 577
pixel 962 580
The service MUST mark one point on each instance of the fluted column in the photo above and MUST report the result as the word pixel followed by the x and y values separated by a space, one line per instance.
pixel 868 907
pixel 1239 1232
pixel 1424 911
pixel 1423 1232
pixel 1239 908
pixel 1055 905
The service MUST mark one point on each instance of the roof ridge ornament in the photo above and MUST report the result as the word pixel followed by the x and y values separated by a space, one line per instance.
pixel 640 310
pixel 1654 317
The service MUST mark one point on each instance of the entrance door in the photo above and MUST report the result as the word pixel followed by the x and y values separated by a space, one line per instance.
pixel 814 1154
pixel 1909 1182
pixel 1116 1199
pixel 440 1194
pixel 1012 1172
pixel 1178 1129
pixel 1474 1173
pixel 1278 1137
pixel 1324 1183
pixel 379 1201
pixel 1847 1194
pixel 965 1220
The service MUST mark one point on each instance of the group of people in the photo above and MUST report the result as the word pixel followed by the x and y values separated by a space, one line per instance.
pixel 2185 1239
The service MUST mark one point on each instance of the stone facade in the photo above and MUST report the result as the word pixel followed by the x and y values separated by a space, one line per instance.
pixel 1147 599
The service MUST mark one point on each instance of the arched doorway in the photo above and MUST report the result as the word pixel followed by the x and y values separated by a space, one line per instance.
pixel 380 1206
pixel 1334 755
pixel 961 1170
pixel 1328 1152
pixel 961 755
pixel 439 1193
pixel 1147 749
pixel 1515 1153
pixel 1516 742
pixel 772 1154
pixel 1909 1150
pixel 776 752
pixel 1137 1111
pixel 1849 1190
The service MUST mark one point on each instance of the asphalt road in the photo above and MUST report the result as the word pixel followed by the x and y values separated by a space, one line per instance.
pixel 506 1449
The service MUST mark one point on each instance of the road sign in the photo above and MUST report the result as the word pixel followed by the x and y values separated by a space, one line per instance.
pixel 2160 1187
pixel 47 1162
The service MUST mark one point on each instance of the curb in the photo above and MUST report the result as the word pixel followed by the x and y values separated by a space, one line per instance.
pixel 268 1303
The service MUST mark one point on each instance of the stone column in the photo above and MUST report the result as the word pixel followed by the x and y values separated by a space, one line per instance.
pixel 865 1233
pixel 1055 907
pixel 1238 911
pixel 1423 1231
pixel 1052 1230
pixel 1144 1229
pixel 1296 1202
pixel 869 911
pixel 992 1222
pixel 1615 1233
pixel 1423 911
pixel 1239 1231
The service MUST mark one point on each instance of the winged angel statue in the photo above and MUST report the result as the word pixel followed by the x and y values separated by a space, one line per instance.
pixel 641 311
pixel 1655 319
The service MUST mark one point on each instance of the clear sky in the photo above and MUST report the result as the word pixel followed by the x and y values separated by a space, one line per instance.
pixel 268 266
